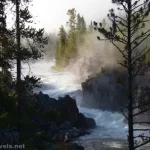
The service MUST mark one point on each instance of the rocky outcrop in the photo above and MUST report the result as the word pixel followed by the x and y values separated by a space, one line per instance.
pixel 68 109
pixel 84 122
pixel 64 112
pixel 60 118
pixel 103 91
pixel 49 121
pixel 44 102
pixel 106 91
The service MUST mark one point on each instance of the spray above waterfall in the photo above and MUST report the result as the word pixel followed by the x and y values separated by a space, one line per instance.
pixel 93 56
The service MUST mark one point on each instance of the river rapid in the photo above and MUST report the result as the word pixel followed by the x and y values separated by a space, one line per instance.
pixel 111 129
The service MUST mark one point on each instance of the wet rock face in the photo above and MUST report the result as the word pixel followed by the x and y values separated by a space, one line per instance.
pixel 44 102
pixel 65 125
pixel 68 109
pixel 103 92
pixel 84 122
pixel 65 108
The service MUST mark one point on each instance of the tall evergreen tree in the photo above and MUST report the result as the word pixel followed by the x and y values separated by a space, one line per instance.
pixel 5 55
pixel 71 50
pixel 72 19
pixel 61 47
pixel 83 25
pixel 68 45
pixel 78 24
pixel 90 28
pixel 136 13
pixel 36 42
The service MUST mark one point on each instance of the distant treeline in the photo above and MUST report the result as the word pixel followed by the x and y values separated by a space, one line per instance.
pixel 69 41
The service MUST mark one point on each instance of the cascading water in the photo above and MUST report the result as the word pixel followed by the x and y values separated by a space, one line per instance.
pixel 57 84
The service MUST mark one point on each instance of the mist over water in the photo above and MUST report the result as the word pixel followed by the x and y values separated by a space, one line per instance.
pixel 94 55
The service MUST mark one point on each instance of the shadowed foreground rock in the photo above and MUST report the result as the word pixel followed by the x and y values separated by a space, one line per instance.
pixel 66 112
pixel 50 124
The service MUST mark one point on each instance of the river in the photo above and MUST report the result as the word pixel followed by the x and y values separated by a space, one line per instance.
pixel 110 130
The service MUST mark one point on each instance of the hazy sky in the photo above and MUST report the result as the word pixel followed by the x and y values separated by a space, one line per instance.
pixel 51 14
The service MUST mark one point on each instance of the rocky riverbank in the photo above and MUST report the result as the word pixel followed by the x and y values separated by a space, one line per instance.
pixel 103 92
pixel 53 124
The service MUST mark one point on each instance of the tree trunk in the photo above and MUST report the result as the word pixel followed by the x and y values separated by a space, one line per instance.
pixel 18 61
pixel 130 82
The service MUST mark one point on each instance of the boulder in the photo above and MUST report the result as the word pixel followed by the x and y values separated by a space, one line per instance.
pixel 81 121
pixel 53 128
pixel 68 109
pixel 91 123
pixel 44 102
pixel 75 132
pixel 85 123
pixel 59 136
pixel 65 125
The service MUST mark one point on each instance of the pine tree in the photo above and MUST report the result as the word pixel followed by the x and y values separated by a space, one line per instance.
pixel 129 31
pixel 72 19
pixel 71 50
pixel 5 55
pixel 78 25
pixel 90 28
pixel 83 25
pixel 61 47
pixel 23 53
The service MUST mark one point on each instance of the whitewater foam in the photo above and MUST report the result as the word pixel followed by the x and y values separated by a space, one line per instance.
pixel 57 84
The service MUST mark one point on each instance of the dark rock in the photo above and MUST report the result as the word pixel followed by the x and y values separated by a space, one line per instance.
pixel 103 91
pixel 55 137
pixel 46 145
pixel 83 122
pixel 74 146
pixel 75 132
pixel 44 102
pixel 68 109
pixel 66 125
pixel 67 146
pixel 39 133
pixel 59 136
pixel 53 128
pixel 9 137
pixel 91 123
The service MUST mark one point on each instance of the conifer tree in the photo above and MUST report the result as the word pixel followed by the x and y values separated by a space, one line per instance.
pixel 24 31
pixel 5 55
pixel 71 50
pixel 61 47
pixel 125 30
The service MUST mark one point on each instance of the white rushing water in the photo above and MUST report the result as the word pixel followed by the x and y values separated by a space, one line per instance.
pixel 109 125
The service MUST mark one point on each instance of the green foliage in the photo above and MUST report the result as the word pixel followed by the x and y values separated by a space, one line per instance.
pixel 28 84
pixel 69 43
pixel 60 47
pixel 5 80
pixel 8 111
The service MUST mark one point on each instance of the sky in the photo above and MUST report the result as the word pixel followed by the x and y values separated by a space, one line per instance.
pixel 51 14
